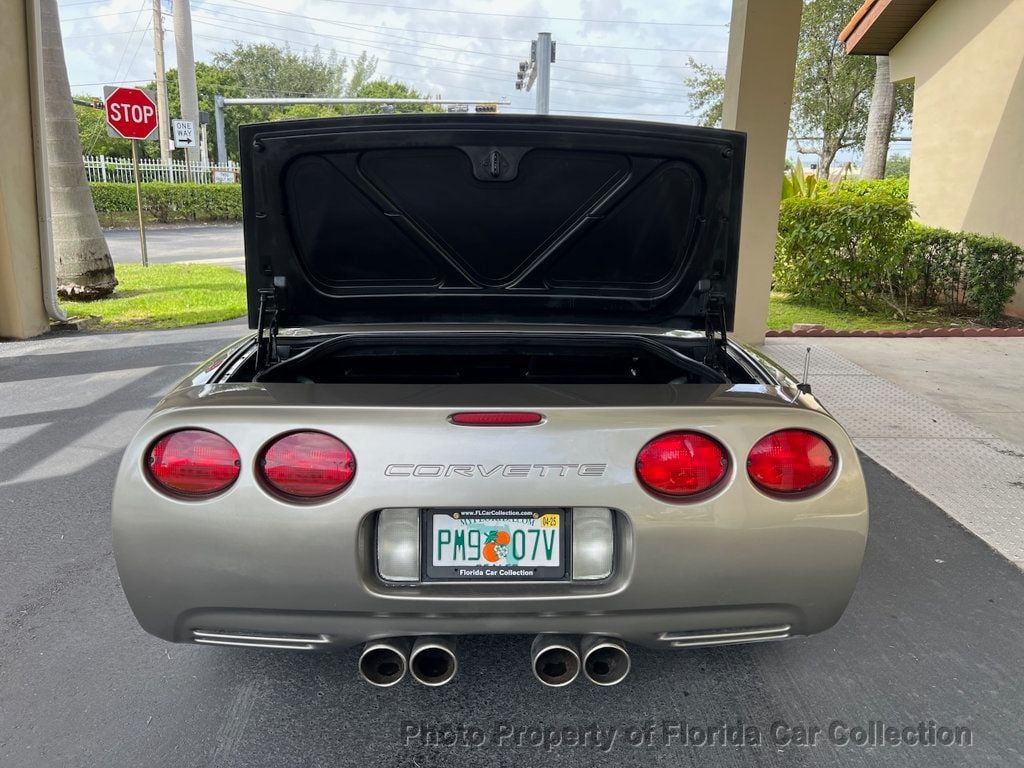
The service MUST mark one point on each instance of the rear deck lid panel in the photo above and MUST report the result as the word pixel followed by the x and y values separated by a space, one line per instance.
pixel 470 218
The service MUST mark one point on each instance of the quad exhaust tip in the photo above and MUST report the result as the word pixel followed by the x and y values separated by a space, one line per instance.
pixel 433 661
pixel 555 660
pixel 383 663
pixel 605 660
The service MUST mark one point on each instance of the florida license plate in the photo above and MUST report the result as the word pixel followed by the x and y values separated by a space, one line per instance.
pixel 496 544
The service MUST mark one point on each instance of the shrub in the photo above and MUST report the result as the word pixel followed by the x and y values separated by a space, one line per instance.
pixel 167 202
pixel 898 188
pixel 843 248
pixel 896 166
pixel 113 198
pixel 961 268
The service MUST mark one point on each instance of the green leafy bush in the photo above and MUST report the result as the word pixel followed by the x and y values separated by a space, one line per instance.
pixel 897 187
pixel 166 202
pixel 963 269
pixel 844 248
pixel 796 182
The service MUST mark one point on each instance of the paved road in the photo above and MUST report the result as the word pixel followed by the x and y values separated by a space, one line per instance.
pixel 209 243
pixel 935 631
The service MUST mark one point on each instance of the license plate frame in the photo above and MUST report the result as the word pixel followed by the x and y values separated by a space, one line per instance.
pixel 479 574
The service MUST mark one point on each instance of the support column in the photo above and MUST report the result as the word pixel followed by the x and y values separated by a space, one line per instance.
pixel 22 312
pixel 763 40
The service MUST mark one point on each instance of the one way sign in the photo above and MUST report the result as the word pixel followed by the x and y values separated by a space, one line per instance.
pixel 184 133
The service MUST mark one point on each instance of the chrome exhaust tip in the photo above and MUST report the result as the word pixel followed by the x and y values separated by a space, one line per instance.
pixel 383 662
pixel 433 661
pixel 555 660
pixel 605 660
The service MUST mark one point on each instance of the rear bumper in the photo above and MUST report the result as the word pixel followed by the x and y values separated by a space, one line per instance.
pixel 319 632
pixel 247 563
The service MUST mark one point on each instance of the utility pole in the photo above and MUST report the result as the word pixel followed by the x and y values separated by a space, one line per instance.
pixel 545 55
pixel 162 116
pixel 538 70
pixel 186 72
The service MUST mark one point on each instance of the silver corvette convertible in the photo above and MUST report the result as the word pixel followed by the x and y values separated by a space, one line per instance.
pixel 490 390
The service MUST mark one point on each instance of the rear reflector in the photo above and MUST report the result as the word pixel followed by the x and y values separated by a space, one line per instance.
pixel 307 465
pixel 790 461
pixel 682 464
pixel 193 463
pixel 495 418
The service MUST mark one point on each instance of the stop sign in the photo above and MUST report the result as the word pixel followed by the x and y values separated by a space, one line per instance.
pixel 131 113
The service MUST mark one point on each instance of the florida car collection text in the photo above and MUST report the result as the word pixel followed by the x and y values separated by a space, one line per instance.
pixel 674 733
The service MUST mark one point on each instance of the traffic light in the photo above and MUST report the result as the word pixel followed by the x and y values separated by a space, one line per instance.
pixel 521 75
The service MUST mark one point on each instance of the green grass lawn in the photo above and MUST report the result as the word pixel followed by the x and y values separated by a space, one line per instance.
pixel 783 312
pixel 167 296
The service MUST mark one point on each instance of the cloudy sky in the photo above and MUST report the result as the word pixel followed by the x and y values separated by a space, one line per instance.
pixel 617 58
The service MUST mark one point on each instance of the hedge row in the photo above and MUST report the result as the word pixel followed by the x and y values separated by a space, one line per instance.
pixel 856 246
pixel 166 202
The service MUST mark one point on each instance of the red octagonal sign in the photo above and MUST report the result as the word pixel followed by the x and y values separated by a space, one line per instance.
pixel 131 113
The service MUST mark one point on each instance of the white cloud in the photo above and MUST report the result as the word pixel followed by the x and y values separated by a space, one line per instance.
pixel 623 68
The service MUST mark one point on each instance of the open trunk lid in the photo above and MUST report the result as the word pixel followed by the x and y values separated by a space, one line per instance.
pixel 493 218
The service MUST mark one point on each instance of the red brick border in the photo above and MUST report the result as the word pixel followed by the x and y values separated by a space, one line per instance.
pixel 914 333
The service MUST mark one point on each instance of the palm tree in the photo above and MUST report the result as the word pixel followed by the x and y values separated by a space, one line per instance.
pixel 84 267
pixel 880 121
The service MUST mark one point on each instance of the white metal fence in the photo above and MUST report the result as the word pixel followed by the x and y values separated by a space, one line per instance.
pixel 103 168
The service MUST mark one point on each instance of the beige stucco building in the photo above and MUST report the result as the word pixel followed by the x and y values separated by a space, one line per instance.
pixel 966 59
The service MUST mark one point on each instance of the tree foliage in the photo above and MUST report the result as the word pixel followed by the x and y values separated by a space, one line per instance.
pixel 260 70
pixel 831 90
pixel 897 166
pixel 706 88
pixel 92 131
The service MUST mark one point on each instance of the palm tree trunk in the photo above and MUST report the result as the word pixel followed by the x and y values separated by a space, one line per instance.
pixel 84 267
pixel 879 131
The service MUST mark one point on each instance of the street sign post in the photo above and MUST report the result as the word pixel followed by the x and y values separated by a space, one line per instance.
pixel 131 114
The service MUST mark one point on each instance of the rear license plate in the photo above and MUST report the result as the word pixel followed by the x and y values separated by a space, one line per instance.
pixel 496 544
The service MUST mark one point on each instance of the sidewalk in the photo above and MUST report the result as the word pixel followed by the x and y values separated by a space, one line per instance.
pixel 944 415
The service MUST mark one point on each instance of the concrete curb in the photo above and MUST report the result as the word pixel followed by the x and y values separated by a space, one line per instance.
pixel 914 333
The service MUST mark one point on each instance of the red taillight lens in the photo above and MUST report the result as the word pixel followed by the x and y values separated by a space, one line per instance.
pixel 193 462
pixel 496 418
pixel 790 461
pixel 307 465
pixel 682 464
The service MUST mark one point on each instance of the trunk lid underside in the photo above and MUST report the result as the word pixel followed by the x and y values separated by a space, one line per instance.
pixel 452 218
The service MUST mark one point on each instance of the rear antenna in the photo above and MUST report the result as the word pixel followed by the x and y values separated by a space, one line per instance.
pixel 803 386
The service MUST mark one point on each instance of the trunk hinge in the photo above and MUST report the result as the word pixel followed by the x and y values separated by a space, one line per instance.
pixel 266 329
pixel 715 327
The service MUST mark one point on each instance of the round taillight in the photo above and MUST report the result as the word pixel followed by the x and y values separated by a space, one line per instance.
pixel 193 462
pixel 682 464
pixel 790 461
pixel 307 465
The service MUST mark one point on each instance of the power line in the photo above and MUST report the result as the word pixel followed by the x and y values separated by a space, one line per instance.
pixel 96 16
pixel 474 71
pixel 477 69
pixel 128 42
pixel 606 112
pixel 517 41
pixel 394 6
pixel 637 48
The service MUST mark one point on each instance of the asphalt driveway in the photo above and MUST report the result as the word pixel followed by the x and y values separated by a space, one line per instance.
pixel 933 639
pixel 168 243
